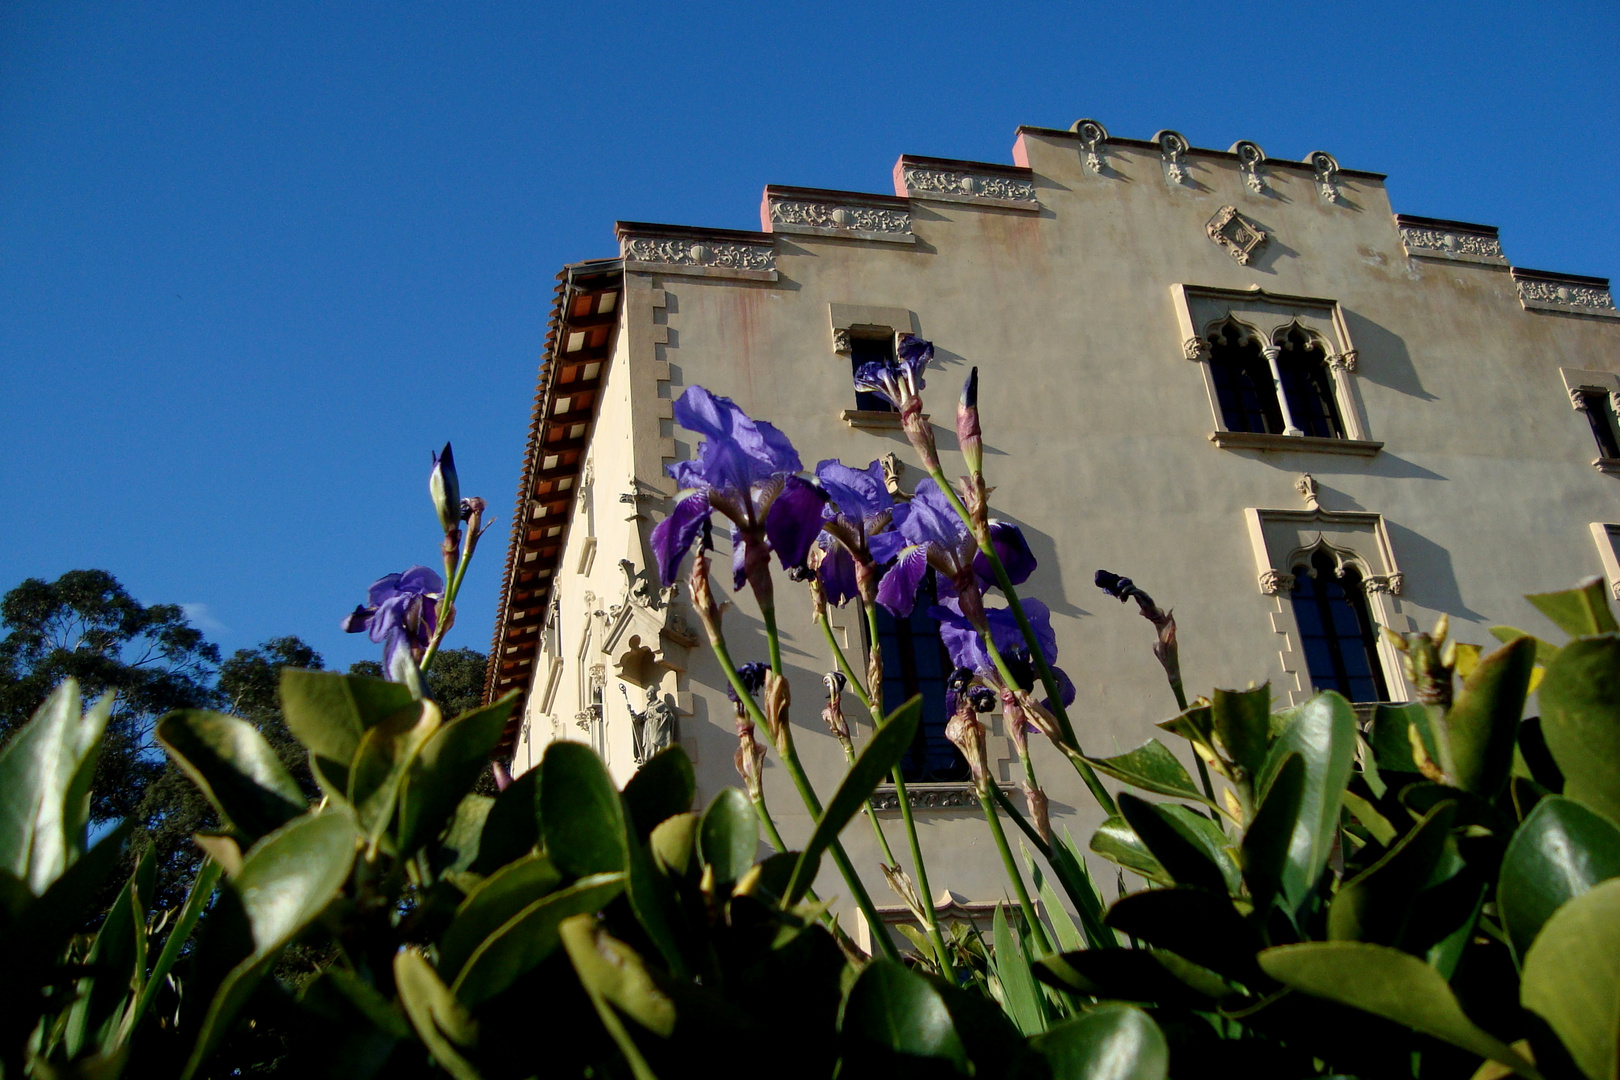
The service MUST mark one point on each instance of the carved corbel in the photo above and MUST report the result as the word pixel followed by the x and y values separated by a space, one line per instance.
pixel 1092 136
pixel 1275 583
pixel 1306 486
pixel 1250 159
pixel 1195 349
pixel 1577 398
pixel 893 470
pixel 840 339
pixel 1345 361
pixel 1326 169
pixel 1173 148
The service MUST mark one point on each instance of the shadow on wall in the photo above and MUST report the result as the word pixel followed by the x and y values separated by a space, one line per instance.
pixel 1048 585
pixel 1383 357
pixel 1435 585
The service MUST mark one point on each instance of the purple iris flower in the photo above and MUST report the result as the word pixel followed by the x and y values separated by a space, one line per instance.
pixel 858 519
pixel 403 611
pixel 937 538
pixel 898 381
pixel 967 650
pixel 746 469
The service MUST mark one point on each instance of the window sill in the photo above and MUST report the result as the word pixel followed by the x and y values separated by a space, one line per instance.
pixel 1250 440
pixel 1607 465
pixel 874 419
pixel 951 796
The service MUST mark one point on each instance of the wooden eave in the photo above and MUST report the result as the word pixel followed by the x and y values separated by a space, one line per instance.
pixel 579 342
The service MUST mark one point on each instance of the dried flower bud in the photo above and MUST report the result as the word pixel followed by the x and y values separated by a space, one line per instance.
pixel 1040 719
pixel 967 735
pixel 750 759
pixel 967 424
pixel 906 890
pixel 697 582
pixel 445 487
pixel 1039 810
pixel 777 699
pixel 833 712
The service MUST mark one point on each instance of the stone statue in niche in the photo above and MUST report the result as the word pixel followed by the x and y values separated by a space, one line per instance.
pixel 652 728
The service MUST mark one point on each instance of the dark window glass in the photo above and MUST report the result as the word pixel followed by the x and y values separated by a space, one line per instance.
pixel 1600 414
pixel 915 662
pixel 1308 385
pixel 863 350
pixel 1336 632
pixel 1243 384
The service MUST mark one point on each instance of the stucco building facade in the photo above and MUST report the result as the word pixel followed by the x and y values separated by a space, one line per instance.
pixel 1286 411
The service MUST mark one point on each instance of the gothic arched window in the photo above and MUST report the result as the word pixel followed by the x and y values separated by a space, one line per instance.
pixel 1336 630
pixel 1243 383
pixel 1308 385
pixel 915 662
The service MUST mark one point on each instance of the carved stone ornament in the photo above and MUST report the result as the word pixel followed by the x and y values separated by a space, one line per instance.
pixel 1450 242
pixel 1236 233
pixel 1306 485
pixel 921 182
pixel 842 217
pixel 1346 360
pixel 1195 349
pixel 668 251
pixel 586 717
pixel 1173 148
pixel 1326 169
pixel 1389 583
pixel 1275 582
pixel 1564 295
pixel 928 797
pixel 841 344
pixel 1577 398
pixel 1092 136
pixel 652 728
pixel 1250 160
pixel 893 470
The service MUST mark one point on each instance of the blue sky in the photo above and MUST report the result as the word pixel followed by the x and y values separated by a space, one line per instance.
pixel 257 260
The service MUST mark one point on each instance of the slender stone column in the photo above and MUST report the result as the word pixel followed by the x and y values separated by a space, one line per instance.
pixel 1273 354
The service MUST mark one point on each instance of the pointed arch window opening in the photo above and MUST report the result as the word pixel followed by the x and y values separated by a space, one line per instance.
pixel 1307 383
pixel 1336 630
pixel 915 662
pixel 1244 383
pixel 1282 387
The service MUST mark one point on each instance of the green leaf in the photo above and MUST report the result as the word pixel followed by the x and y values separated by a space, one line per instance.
pixel 1544 650
pixel 1117 842
pixel 1196 725
pixel 458 850
pixel 530 936
pixel 1149 975
pixel 1242 720
pixel 651 898
pixel 1387 983
pixel 1579 612
pixel 384 756
pixel 605 965
pixel 1020 996
pixel 287 880
pixel 44 794
pixel 1197 924
pixel 660 789
pixel 443 1024
pixel 1580 719
pixel 1323 733
pixel 196 902
pixel 445 770
pixel 1068 934
pixel 1391 740
pixel 1190 847
pixel 581 815
pixel 1119 1042
pixel 1151 767
pixel 115 964
pixel 496 900
pixel 34 940
pixel 235 768
pixel 328 712
pixel 1560 852
pixel 1572 979
pixel 1270 836
pixel 728 838
pixel 895 1011
pixel 877 760
pixel 674 843
pixel 512 828
pixel 1070 867
pixel 1376 904
pixel 1483 723
pixel 384 1015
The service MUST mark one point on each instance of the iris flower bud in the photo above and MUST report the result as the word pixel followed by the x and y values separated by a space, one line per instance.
pixel 967 425
pixel 967 734
pixel 445 487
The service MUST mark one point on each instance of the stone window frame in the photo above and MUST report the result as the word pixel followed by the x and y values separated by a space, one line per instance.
pixel 1201 308
pixel 1283 538
pixel 1579 382
pixel 851 320
pixel 1606 535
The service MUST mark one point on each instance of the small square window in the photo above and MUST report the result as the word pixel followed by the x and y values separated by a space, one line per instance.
pixel 864 350
pixel 1599 410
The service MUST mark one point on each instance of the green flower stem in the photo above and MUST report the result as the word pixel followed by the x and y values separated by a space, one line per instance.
pixel 849 751
pixel 772 638
pixel 930 917
pixel 790 761
pixel 1203 771
pixel 1029 831
pixel 452 589
pixel 1035 926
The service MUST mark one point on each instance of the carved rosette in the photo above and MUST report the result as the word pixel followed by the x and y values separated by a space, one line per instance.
pixel 686 252
pixel 1276 583
pixel 1239 236
pixel 922 182
pixel 842 217
pixel 1195 349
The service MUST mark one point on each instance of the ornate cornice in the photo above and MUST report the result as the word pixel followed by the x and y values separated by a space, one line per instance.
pixel 1571 293
pixel 697 252
pixel 928 797
pixel 844 214
pixel 1457 241
pixel 971 182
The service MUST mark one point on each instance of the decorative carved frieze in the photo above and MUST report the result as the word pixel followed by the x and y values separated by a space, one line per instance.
pixel 1092 137
pixel 1430 238
pixel 1173 147
pixel 965 182
pixel 928 797
pixel 1326 168
pixel 836 213
pixel 1541 291
pixel 693 252
pixel 1236 233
